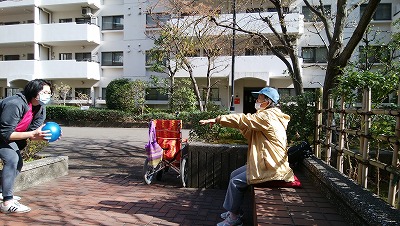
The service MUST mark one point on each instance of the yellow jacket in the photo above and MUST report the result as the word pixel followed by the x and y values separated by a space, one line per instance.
pixel 265 132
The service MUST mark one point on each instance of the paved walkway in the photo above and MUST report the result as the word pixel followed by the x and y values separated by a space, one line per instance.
pixel 105 187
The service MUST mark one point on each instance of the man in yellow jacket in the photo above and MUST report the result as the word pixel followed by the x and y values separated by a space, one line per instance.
pixel 267 158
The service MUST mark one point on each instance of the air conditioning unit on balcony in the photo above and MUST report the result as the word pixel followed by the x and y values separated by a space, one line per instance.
pixel 86 11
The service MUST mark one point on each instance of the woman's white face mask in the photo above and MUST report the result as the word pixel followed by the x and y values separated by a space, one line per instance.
pixel 257 106
pixel 44 98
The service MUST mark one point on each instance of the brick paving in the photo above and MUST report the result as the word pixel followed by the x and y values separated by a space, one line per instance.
pixel 105 187
pixel 295 206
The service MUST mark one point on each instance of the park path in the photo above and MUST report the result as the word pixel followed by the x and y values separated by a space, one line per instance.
pixel 104 186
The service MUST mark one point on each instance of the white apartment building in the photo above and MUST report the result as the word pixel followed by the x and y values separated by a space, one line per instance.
pixel 88 43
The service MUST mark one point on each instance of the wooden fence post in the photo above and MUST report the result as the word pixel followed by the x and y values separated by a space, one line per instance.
pixel 328 140
pixel 364 141
pixel 395 162
pixel 318 123
pixel 339 159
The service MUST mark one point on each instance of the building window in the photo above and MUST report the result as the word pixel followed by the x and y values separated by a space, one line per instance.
pixel 156 94
pixel 374 54
pixel 65 56
pixel 309 16
pixel 214 94
pixel 314 54
pixel 254 10
pixel 112 59
pixel 12 91
pixel 30 56
pixel 273 9
pixel 156 19
pixel 12 23
pixel 11 57
pixel 83 20
pixel 113 23
pixel 83 57
pixel 103 93
pixel 383 11
pixel 65 20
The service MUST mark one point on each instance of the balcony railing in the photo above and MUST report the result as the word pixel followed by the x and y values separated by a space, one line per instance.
pixel 91 3
pixel 52 69
pixel 250 22
pixel 19 33
pixel 13 3
pixel 59 69
pixel 262 67
pixel 19 69
pixel 51 33
pixel 62 32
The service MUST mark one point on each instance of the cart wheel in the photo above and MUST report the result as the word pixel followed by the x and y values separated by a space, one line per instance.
pixel 148 172
pixel 184 171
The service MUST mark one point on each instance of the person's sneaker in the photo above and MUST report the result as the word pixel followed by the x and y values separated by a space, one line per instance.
pixel 15 197
pixel 229 222
pixel 14 207
pixel 226 214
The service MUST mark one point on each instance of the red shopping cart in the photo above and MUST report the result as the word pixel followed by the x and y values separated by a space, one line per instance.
pixel 165 150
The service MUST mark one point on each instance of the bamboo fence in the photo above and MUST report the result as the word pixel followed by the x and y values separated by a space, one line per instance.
pixel 324 143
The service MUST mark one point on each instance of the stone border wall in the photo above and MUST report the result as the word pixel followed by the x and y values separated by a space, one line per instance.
pixel 40 171
pixel 355 203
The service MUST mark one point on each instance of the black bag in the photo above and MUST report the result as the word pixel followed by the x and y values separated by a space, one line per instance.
pixel 297 153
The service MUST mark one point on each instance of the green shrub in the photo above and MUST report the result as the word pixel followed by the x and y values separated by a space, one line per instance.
pixel 116 94
pixel 204 132
pixel 302 123
pixel 126 95
pixel 29 153
pixel 75 114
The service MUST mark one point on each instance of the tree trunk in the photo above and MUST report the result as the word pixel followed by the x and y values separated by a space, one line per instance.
pixel 195 86
pixel 296 77
pixel 171 89
pixel 338 56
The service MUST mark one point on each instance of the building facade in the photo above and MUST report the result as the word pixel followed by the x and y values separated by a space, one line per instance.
pixel 88 43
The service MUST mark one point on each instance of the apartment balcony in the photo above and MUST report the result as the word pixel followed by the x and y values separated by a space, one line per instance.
pixel 63 5
pixel 69 33
pixel 260 66
pixel 13 3
pixel 18 34
pixel 69 69
pixel 52 69
pixel 51 34
pixel 18 69
pixel 252 22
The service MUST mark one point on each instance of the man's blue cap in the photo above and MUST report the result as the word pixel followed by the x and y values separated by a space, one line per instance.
pixel 269 92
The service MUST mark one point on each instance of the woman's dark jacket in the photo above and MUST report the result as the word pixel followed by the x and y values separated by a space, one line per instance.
pixel 12 110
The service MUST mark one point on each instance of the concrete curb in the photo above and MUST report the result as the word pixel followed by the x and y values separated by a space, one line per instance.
pixel 355 203
pixel 40 171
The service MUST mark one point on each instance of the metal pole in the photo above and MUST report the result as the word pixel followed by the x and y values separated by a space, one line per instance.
pixel 232 107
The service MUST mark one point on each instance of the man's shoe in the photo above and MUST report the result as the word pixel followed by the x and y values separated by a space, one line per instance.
pixel 229 222
pixel 15 197
pixel 226 214
pixel 14 207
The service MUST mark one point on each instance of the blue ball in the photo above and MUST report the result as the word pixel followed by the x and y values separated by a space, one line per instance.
pixel 55 130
